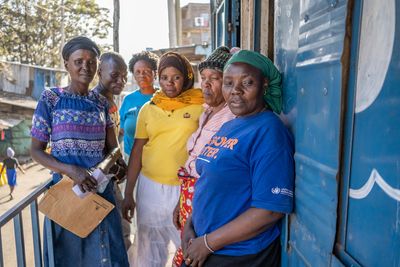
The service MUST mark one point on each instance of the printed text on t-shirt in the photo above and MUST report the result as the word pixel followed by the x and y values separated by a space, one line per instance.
pixel 212 148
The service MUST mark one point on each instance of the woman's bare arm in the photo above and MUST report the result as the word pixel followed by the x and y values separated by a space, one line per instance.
pixel 134 168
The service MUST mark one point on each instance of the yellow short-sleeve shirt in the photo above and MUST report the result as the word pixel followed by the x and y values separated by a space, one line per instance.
pixel 168 132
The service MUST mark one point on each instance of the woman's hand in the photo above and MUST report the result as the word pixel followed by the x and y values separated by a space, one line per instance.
pixel 175 217
pixel 196 253
pixel 119 169
pixel 128 208
pixel 188 234
pixel 83 178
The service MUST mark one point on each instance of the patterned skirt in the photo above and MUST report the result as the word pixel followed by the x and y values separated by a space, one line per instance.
pixel 185 207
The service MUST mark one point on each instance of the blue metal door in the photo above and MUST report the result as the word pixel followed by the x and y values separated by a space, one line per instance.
pixel 225 23
pixel 39 82
pixel 370 219
pixel 220 24
pixel 309 43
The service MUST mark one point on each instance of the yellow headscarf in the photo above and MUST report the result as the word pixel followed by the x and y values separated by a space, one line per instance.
pixel 189 97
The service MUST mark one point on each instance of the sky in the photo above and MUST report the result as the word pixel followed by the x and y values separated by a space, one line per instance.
pixel 143 24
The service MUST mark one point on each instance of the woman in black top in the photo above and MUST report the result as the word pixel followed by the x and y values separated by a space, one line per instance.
pixel 11 164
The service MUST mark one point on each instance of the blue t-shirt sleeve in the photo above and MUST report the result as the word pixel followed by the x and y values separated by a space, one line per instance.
pixel 273 180
pixel 122 113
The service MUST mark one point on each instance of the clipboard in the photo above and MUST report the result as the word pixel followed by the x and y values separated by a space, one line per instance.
pixel 78 215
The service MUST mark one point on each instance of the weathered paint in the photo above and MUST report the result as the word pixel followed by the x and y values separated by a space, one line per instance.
pixel 375 52
pixel 309 39
pixel 370 221
pixel 39 84
pixel 30 80
pixel 341 101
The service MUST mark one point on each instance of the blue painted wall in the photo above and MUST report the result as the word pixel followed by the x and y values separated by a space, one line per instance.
pixel 370 221
pixel 43 78
pixel 340 64
pixel 324 101
pixel 309 40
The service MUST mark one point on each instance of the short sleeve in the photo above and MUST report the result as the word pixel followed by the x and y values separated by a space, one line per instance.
pixel 109 121
pixel 141 131
pixel 42 117
pixel 273 180
pixel 122 113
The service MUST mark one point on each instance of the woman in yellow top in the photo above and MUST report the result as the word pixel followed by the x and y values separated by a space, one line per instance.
pixel 163 127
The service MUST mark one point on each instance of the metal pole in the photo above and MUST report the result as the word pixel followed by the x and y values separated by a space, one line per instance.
pixel 116 25
pixel 172 23
pixel 62 34
pixel 178 22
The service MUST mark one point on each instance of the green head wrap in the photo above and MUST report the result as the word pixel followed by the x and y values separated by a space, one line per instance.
pixel 273 93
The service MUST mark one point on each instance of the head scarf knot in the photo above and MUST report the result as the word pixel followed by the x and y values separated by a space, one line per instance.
pixel 273 92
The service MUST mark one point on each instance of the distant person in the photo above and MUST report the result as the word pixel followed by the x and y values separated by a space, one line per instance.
pixel 112 75
pixel 164 125
pixel 10 163
pixel 216 113
pixel 76 123
pixel 143 67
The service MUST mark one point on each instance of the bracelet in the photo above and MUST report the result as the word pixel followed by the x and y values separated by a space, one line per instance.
pixel 205 243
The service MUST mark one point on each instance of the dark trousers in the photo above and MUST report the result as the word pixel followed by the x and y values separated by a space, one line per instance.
pixel 269 257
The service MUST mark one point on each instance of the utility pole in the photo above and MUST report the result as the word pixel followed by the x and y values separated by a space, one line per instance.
pixel 116 25
pixel 178 22
pixel 62 34
pixel 172 24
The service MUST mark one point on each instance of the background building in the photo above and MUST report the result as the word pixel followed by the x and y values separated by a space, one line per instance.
pixel 195 24
pixel 20 87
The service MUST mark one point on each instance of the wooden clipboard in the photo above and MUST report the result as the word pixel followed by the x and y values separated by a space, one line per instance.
pixel 78 215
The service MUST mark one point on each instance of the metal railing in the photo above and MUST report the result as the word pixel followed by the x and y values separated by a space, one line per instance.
pixel 15 214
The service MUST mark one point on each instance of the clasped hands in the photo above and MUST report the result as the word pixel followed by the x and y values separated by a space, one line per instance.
pixel 195 251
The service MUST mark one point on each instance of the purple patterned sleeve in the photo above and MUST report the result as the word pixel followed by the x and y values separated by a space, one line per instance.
pixel 109 122
pixel 42 117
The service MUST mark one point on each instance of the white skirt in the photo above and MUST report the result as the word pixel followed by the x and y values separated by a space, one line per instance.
pixel 155 203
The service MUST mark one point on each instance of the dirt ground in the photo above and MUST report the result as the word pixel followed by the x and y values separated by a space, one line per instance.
pixel 34 176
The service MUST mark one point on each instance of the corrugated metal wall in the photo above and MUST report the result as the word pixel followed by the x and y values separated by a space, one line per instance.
pixel 17 80
pixel 29 80
pixel 370 203
pixel 340 65
pixel 309 40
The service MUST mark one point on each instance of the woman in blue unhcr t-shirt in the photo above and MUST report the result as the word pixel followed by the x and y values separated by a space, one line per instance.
pixel 246 173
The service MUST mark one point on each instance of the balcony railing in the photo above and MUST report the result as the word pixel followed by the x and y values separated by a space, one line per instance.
pixel 15 214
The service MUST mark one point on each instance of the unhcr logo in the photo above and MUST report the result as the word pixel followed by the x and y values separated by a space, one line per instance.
pixel 283 191
pixel 275 190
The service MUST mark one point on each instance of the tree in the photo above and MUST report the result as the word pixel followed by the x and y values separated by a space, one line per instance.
pixel 32 31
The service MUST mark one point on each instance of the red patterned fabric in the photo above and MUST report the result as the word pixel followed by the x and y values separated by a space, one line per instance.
pixel 185 207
